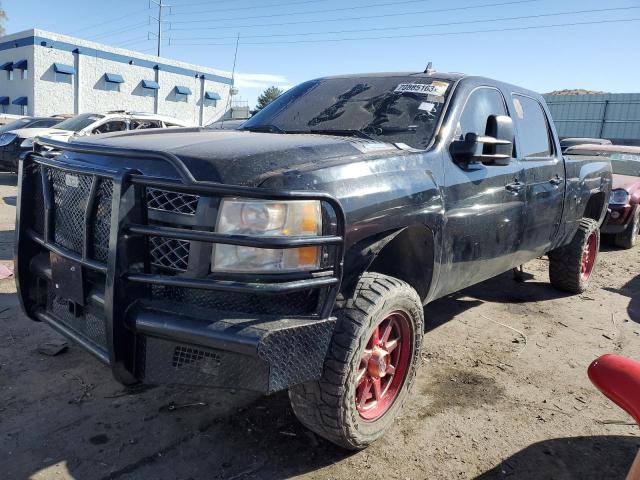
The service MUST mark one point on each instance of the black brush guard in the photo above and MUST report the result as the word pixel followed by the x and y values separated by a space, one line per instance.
pixel 160 340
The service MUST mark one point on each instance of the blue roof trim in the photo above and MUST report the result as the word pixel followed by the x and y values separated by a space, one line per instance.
pixel 6 66
pixel 4 100
pixel 20 65
pixel 150 84
pixel 183 90
pixel 62 68
pixel 113 78
pixel 114 57
pixel 212 96
pixel 21 101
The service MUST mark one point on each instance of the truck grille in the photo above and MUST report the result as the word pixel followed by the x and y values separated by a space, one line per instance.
pixel 172 202
pixel 169 253
pixel 71 194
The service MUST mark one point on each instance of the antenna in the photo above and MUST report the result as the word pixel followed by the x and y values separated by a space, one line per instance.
pixel 429 70
pixel 232 88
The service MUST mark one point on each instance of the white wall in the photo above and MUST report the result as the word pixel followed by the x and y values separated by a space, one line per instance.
pixel 52 97
pixel 17 87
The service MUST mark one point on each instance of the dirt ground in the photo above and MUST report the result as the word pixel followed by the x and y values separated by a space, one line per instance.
pixel 502 393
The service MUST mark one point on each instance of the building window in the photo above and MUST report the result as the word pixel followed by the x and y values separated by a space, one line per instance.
pixel 113 81
pixel 63 73
pixel 112 86
pixel 211 99
pixel 10 74
pixel 149 88
pixel 24 74
pixel 64 78
pixel 182 94
pixel 25 110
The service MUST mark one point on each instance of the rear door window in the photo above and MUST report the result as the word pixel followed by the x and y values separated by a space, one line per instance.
pixel 533 128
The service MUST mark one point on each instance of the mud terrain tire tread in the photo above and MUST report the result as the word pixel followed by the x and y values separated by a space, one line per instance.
pixel 325 406
pixel 565 262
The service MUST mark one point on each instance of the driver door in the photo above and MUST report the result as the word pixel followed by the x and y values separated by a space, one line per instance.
pixel 484 204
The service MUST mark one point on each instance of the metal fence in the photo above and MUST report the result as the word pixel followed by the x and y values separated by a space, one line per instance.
pixel 615 116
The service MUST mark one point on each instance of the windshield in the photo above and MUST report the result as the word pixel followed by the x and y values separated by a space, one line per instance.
pixel 397 109
pixel 626 164
pixel 79 122
pixel 15 125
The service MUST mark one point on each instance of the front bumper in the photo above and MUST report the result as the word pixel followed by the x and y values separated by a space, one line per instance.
pixel 618 219
pixel 85 265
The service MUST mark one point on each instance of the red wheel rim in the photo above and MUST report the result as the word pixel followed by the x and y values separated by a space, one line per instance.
pixel 383 366
pixel 589 256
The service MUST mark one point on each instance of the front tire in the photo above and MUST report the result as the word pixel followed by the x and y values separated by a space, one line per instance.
pixel 571 266
pixel 370 366
pixel 629 238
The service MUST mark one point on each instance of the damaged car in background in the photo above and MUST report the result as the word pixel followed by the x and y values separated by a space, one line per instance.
pixel 298 251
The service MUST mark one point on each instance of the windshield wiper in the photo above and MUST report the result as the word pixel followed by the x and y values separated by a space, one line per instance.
pixel 263 129
pixel 339 132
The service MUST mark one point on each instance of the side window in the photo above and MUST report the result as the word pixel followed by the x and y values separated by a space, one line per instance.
pixel 481 104
pixel 533 128
pixel 112 126
pixel 141 124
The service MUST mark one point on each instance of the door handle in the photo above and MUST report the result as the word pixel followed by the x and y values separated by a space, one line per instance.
pixel 556 181
pixel 514 187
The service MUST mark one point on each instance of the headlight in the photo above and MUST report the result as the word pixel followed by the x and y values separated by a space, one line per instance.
pixel 268 219
pixel 27 143
pixel 619 197
pixel 7 138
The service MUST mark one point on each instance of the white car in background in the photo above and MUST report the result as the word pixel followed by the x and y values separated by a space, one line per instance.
pixel 96 123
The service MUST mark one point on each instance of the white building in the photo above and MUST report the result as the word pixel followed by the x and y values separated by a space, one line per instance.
pixel 44 73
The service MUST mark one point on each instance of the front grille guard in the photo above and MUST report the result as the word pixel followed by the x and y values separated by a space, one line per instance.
pixel 130 230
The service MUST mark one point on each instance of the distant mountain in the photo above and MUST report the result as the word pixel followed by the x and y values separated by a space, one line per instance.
pixel 573 91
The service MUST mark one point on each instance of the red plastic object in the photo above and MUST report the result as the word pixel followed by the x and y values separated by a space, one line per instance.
pixel 619 379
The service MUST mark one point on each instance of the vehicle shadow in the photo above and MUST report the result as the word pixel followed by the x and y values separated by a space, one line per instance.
pixel 7 241
pixel 501 289
pixel 630 289
pixel 64 414
pixel 581 458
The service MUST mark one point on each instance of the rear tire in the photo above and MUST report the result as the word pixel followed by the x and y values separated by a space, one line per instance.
pixel 629 238
pixel 370 365
pixel 571 266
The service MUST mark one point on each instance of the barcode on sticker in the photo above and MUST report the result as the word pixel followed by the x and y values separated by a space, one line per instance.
pixel 435 88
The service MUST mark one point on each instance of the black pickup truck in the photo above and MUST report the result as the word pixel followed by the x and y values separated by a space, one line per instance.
pixel 298 252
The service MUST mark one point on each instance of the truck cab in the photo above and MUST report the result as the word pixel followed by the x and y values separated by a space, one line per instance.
pixel 298 251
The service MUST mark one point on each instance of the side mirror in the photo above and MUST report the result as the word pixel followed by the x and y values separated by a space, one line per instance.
pixel 493 148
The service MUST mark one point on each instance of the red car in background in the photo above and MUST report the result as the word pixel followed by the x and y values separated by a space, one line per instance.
pixel 623 219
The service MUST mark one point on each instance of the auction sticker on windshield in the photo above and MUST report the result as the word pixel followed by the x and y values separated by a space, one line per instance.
pixel 433 88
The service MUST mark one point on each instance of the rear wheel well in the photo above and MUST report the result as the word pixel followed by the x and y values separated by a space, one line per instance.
pixel 595 207
pixel 408 257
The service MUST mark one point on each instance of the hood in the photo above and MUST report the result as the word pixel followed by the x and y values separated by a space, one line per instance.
pixel 629 183
pixel 237 157
pixel 34 132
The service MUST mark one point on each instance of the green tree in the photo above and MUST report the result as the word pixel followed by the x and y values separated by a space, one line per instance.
pixel 268 96
pixel 3 19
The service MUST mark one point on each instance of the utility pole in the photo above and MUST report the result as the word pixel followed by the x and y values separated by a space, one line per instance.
pixel 161 5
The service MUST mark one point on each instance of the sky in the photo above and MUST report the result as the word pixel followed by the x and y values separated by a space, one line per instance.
pixel 586 44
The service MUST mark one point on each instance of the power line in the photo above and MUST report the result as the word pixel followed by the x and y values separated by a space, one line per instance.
pixel 288 14
pixel 366 17
pixel 257 7
pixel 404 27
pixel 119 30
pixel 128 15
pixel 422 35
